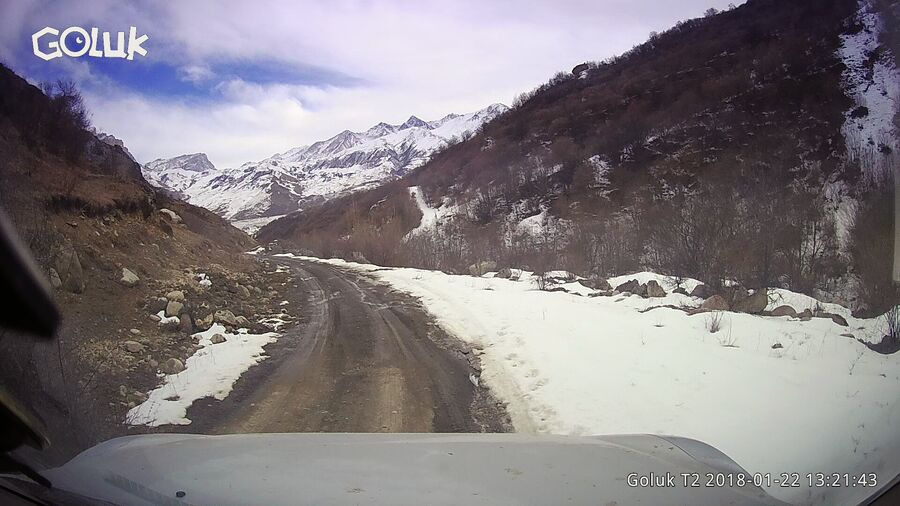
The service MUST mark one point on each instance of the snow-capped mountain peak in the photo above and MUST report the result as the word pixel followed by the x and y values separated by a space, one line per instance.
pixel 284 182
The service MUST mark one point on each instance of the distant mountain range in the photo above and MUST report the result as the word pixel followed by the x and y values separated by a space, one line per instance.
pixel 286 181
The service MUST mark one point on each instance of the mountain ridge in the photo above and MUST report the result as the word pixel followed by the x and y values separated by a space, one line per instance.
pixel 284 182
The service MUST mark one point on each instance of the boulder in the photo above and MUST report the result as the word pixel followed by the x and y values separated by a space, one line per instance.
pixel 504 273
pixel 225 317
pixel 597 283
pixel 172 215
pixel 170 324
pixel 135 332
pixel 654 290
pixel 55 282
pixel 479 268
pixel 784 310
pixel 135 397
pixel 172 366
pixel 805 315
pixel 358 257
pixel 129 278
pixel 204 323
pixel 680 290
pixel 630 286
pixel 735 294
pixel 175 295
pixel 157 304
pixel 155 318
pixel 242 321
pixel 243 291
pixel 701 291
pixel 186 324
pixel 133 346
pixel 753 304
pixel 836 318
pixel 173 308
pixel 217 338
pixel 715 303
pixel 68 266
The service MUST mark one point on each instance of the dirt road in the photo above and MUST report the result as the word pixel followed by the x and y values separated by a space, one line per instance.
pixel 366 359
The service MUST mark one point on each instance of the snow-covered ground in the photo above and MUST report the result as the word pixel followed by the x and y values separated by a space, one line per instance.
pixel 774 393
pixel 210 371
pixel 252 225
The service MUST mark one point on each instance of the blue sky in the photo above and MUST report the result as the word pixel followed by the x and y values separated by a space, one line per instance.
pixel 243 80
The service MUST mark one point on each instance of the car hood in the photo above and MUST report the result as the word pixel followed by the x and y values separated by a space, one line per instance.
pixel 393 469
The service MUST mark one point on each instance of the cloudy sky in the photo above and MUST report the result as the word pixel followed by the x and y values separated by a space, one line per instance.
pixel 243 80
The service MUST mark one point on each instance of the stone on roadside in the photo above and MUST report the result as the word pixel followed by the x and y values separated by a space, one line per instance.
pixel 129 278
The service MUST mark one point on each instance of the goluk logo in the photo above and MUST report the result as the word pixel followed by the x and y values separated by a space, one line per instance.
pixel 86 43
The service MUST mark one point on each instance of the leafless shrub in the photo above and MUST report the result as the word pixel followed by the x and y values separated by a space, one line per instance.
pixel 713 321
pixel 892 324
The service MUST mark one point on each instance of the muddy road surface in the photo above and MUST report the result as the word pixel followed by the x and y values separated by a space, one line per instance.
pixel 364 358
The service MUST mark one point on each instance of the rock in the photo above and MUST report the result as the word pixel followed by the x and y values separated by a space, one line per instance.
pixel 836 318
pixel 153 363
pixel 172 366
pixel 753 304
pixel 135 332
pixel 243 291
pixel 805 315
pixel 170 324
pixel 172 215
pixel 777 346
pixel 173 308
pixel 631 286
pixel 597 283
pixel 136 397
pixel 157 304
pixel 701 291
pixel 175 296
pixel 129 278
pixel 715 303
pixel 479 268
pixel 155 317
pixel 358 257
pixel 133 346
pixel 242 321
pixel 784 310
pixel 680 290
pixel 55 282
pixel 204 323
pixel 186 324
pixel 225 317
pixel 735 294
pixel 217 338
pixel 504 273
pixel 654 290
pixel 68 267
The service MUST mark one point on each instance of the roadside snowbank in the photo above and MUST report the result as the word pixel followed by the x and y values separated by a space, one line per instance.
pixel 210 371
pixel 566 364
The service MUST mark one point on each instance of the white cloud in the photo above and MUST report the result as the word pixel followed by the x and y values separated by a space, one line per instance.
pixel 423 58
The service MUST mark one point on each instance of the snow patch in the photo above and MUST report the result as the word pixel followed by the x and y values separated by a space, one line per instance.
pixel 210 371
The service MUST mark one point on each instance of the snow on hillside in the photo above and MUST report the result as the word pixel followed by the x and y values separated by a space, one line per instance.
pixel 432 218
pixel 874 83
pixel 349 161
pixel 776 394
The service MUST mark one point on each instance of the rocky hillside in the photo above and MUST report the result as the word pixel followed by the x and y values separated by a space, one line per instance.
pixel 755 144
pixel 284 182
pixel 115 251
